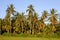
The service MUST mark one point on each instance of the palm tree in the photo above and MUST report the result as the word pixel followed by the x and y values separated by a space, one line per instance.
pixel 44 14
pixel 42 20
pixel 11 11
pixel 7 21
pixel 30 11
pixel 22 22
pixel 35 23
pixel 17 23
pixel 53 19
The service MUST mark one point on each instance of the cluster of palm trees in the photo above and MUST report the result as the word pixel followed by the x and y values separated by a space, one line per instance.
pixel 15 22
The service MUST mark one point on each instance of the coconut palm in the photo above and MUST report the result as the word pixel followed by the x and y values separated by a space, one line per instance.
pixel 42 20
pixel 22 22
pixel 35 23
pixel 7 21
pixel 30 11
pixel 53 19
pixel 11 11
pixel 19 23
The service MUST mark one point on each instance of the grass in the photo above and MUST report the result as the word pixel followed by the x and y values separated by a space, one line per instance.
pixel 7 36
pixel 29 35
pixel 26 38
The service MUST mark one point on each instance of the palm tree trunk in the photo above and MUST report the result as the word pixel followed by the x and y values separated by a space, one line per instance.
pixel 1 29
pixel 30 30
pixel 22 28
pixel 53 28
pixel 33 29
pixel 10 27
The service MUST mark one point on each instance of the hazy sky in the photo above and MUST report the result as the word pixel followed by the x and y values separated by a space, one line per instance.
pixel 21 5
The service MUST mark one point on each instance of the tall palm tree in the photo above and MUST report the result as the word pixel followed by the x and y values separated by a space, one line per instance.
pixel 22 22
pixel 17 27
pixel 42 20
pixel 35 23
pixel 7 21
pixel 30 11
pixel 11 11
pixel 19 23
pixel 53 19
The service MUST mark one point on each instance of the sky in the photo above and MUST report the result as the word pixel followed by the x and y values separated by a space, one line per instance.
pixel 22 5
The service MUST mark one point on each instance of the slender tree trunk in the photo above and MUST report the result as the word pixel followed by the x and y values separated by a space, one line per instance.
pixel 22 28
pixel 1 29
pixel 30 30
pixel 53 28
pixel 33 29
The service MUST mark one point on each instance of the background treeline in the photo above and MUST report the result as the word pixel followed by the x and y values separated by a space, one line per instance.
pixel 17 23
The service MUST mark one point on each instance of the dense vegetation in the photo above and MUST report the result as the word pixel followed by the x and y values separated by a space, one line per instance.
pixel 16 23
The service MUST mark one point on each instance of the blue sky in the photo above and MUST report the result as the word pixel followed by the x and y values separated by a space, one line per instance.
pixel 21 5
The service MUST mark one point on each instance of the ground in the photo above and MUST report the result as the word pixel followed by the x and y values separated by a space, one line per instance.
pixel 26 38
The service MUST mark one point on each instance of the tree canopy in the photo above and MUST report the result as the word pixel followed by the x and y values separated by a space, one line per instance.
pixel 30 24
